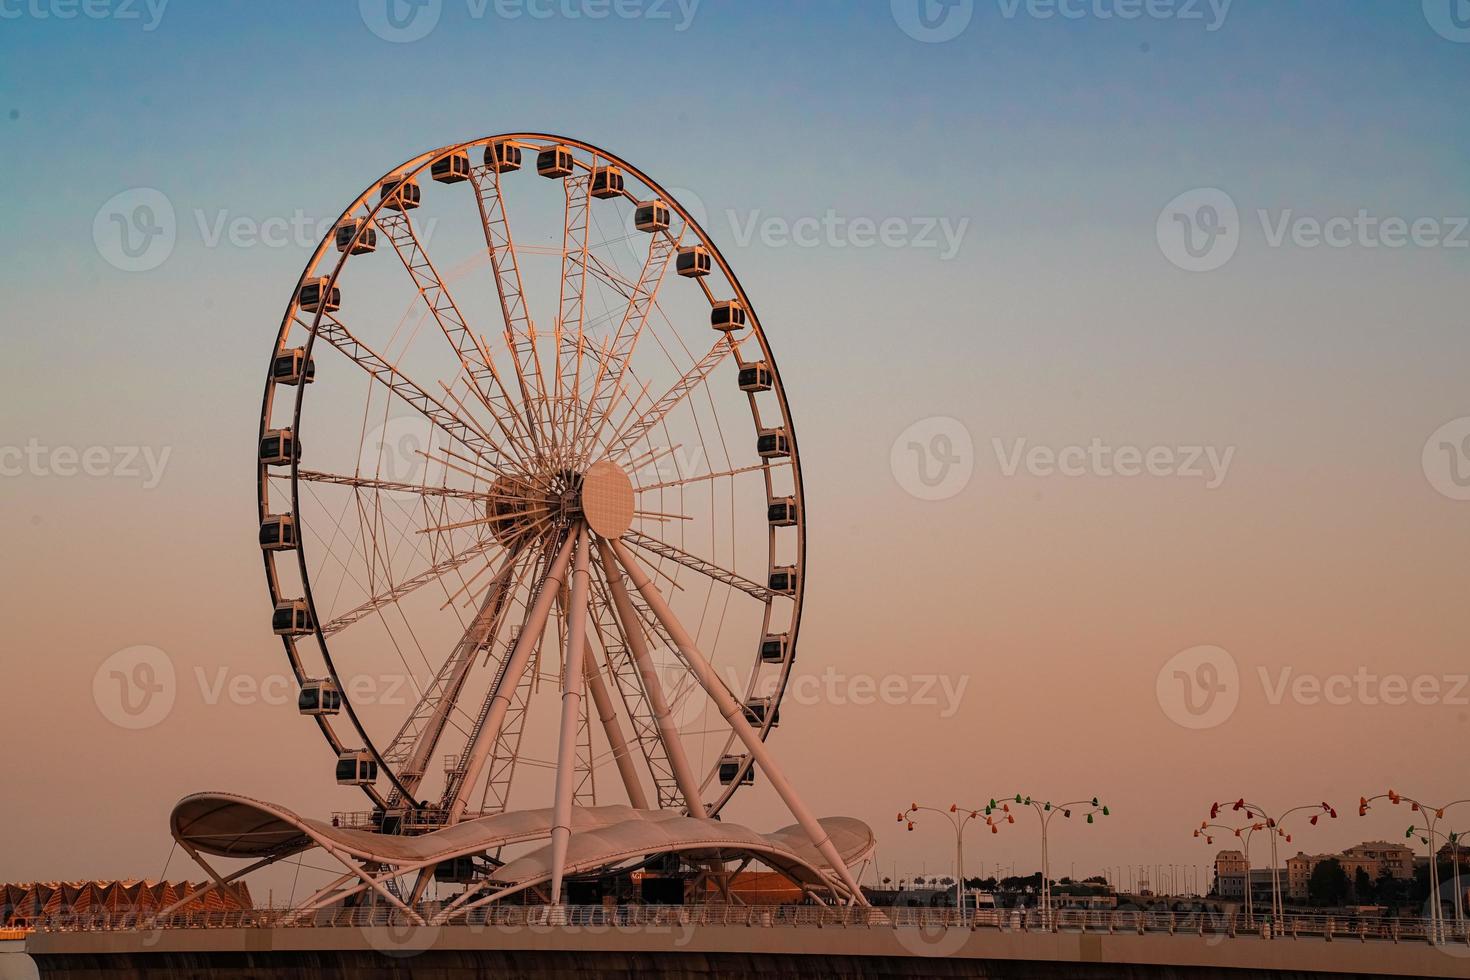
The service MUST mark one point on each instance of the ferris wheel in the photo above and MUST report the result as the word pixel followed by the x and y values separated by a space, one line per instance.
pixel 530 500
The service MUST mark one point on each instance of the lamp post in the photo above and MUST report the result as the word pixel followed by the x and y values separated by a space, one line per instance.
pixel 959 818
pixel 1244 833
pixel 1276 826
pixel 1045 811
pixel 1431 817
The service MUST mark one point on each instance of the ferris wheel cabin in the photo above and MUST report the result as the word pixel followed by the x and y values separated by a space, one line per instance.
pixel 356 767
pixel 502 156
pixel 292 618
pixel 651 216
pixel 730 770
pixel 727 315
pixel 606 182
pixel 784 579
pixel 555 161
pixel 693 262
pixel 356 236
pixel 293 367
pixel 319 696
pixel 756 710
pixel 278 532
pixel 317 297
pixel 774 647
pixel 756 377
pixel 451 169
pixel 781 512
pixel 773 444
pixel 400 193
pixel 278 447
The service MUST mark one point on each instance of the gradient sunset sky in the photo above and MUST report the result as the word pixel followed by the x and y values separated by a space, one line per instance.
pixel 1332 545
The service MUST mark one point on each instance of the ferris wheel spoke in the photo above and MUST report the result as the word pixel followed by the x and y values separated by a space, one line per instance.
pixel 616 740
pixel 457 427
pixel 628 438
pixel 661 249
pixel 391 486
pixel 519 331
pixel 695 563
pixel 487 729
pixel 412 748
pixel 624 671
pixel 474 358
pixel 703 477
pixel 408 586
pixel 571 309
pixel 631 627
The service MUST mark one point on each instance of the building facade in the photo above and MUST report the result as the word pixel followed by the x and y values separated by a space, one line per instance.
pixel 1375 858
pixel 1230 874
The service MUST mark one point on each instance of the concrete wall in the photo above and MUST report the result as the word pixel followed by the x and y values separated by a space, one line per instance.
pixel 460 953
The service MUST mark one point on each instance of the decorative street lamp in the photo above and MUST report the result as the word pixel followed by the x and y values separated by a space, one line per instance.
pixel 1244 833
pixel 959 818
pixel 1045 811
pixel 1278 830
pixel 1430 817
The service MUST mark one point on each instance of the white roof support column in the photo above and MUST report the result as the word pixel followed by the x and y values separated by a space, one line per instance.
pixel 573 682
pixel 668 730
pixel 478 751
pixel 734 715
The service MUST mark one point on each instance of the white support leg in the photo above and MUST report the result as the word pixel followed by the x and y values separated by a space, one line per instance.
pixel 668 730
pixel 622 754
pixel 734 715
pixel 573 681
pixel 478 752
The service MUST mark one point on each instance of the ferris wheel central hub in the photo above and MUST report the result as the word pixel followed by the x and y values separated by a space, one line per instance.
pixel 607 499
pixel 602 496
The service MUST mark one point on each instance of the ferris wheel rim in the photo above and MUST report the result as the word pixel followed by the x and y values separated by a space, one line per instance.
pixel 412 169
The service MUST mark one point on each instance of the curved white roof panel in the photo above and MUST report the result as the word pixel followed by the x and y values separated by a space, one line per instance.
pixel 603 837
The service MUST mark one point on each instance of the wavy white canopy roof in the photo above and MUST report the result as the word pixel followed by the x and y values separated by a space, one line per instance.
pixel 603 837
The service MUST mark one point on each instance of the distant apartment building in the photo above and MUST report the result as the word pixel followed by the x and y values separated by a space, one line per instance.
pixel 1230 874
pixel 1373 857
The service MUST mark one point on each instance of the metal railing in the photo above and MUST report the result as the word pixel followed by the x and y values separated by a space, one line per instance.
pixel 1205 924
